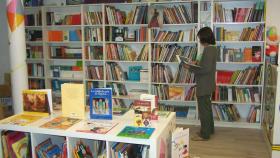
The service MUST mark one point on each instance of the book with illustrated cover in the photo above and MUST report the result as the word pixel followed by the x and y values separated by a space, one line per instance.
pixel 176 93
pixel 36 104
pixel 136 132
pixel 21 147
pixel 73 100
pixel 142 113
pixel 163 114
pixel 154 104
pixel 61 123
pixel 180 143
pixel 53 152
pixel 98 127
pixel 100 101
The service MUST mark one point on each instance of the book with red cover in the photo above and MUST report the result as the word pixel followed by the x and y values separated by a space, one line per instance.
pixel 256 52
pixel 55 36
pixel 76 19
pixel 224 76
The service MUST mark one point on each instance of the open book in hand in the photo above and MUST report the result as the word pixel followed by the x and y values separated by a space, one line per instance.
pixel 186 61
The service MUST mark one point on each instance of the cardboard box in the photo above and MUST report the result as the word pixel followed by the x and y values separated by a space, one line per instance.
pixel 5 91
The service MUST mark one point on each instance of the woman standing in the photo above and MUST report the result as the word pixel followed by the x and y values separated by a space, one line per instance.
pixel 205 82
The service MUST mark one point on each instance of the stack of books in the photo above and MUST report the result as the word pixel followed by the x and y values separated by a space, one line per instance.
pixel 93 18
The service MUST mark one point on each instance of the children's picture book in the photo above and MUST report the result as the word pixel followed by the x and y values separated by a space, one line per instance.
pixel 82 150
pixel 100 101
pixel 136 132
pixel 53 152
pixel 21 147
pixel 73 100
pixel 21 119
pixel 176 93
pixel 61 123
pixel 187 61
pixel 42 147
pixel 154 104
pixel 36 105
pixel 142 112
pixel 180 143
pixel 98 127
pixel 164 114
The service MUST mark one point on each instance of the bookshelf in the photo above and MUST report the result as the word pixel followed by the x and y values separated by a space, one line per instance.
pixel 94 51
pixel 163 129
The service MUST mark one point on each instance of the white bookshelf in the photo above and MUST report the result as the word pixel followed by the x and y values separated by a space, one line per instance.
pixel 163 129
pixel 82 9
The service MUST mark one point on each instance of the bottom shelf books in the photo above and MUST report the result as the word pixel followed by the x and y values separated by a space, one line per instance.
pixel 16 144
pixel 226 112
pixel 129 150
pixel 47 149
pixel 89 149
pixel 187 112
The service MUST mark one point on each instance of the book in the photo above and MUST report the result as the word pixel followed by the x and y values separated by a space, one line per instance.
pixel 136 132
pixel 161 73
pixel 163 114
pixel 180 143
pixel 176 93
pixel 21 147
pixel 142 113
pixel 187 61
pixel 36 105
pixel 98 127
pixel 73 100
pixel 100 101
pixel 61 123
pixel 130 150
pixel 154 104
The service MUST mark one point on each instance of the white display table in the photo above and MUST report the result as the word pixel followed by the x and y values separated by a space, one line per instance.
pixel 163 130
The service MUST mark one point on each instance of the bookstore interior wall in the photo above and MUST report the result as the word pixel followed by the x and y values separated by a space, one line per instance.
pixel 111 45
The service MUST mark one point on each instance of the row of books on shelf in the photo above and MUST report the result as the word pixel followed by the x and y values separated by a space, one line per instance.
pixel 35 69
pixel 249 14
pixel 61 18
pixel 126 53
pixel 238 95
pixel 94 52
pixel 65 52
pixel 34 52
pixel 64 36
pixel 34 19
pixel 162 74
pixel 247 34
pixel 83 149
pixel 33 35
pixel 94 34
pixel 71 72
pixel 167 53
pixel 125 34
pixel 253 54
pixel 36 84
pixel 180 14
pixel 129 150
pixel 93 18
pixel 173 36
pixel 181 111
pixel 137 15
pixel 248 76
pixel 175 93
pixel 95 72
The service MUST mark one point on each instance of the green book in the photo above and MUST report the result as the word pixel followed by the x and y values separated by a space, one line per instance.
pixel 136 132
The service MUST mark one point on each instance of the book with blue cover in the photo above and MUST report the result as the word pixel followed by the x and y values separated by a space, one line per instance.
pixel 137 132
pixel 100 101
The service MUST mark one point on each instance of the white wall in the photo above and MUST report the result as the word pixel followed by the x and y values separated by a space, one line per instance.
pixel 4 46
pixel 273 14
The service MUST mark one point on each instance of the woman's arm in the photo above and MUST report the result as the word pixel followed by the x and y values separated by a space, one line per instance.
pixel 206 62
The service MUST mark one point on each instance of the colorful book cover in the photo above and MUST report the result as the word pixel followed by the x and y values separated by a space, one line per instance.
pixel 100 101
pixel 180 143
pixel 136 132
pixel 62 123
pixel 154 104
pixel 176 93
pixel 21 148
pixel 53 152
pixel 21 119
pixel 142 112
pixel 39 149
pixel 73 100
pixel 100 127
pixel 37 101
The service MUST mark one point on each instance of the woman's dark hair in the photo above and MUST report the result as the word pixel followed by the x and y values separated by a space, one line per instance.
pixel 206 36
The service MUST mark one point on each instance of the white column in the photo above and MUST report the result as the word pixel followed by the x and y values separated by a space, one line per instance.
pixel 15 17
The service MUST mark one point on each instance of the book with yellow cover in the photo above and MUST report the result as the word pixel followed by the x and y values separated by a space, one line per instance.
pixel 36 104
pixel 73 100
pixel 60 122
pixel 176 93
pixel 20 147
